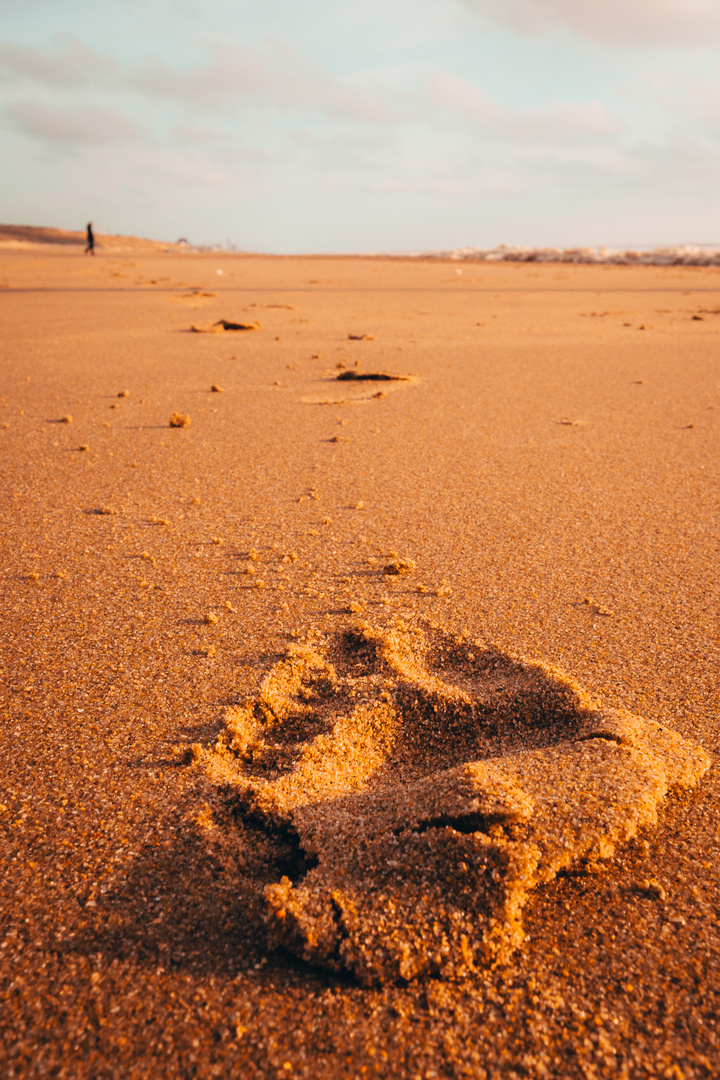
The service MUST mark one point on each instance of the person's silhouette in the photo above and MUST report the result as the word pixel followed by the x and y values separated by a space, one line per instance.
pixel 90 248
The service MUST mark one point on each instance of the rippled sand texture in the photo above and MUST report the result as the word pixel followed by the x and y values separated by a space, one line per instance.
pixel 433 781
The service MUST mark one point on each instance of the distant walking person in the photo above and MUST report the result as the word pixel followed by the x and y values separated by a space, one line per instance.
pixel 90 249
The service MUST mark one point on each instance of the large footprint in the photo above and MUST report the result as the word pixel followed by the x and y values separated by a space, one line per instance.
pixel 432 782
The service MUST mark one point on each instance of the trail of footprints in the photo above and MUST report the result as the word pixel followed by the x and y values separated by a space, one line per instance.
pixel 426 784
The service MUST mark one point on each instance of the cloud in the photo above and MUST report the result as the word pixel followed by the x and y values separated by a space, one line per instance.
pixel 560 122
pixel 697 103
pixel 73 126
pixel 68 63
pixel 343 150
pixel 280 78
pixel 615 22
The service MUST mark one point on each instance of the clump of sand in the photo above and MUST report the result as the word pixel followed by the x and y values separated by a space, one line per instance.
pixel 430 783
pixel 398 567
pixel 221 326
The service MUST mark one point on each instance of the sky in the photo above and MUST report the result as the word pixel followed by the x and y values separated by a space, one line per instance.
pixel 386 126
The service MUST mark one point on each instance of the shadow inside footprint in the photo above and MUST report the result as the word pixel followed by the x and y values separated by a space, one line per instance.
pixel 370 376
pixel 425 783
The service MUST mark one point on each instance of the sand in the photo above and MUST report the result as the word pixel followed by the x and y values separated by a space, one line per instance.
pixel 348 731
pixel 424 811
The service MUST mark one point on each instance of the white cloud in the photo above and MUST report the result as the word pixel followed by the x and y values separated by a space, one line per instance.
pixel 699 105
pixel 280 78
pixel 344 150
pixel 560 122
pixel 69 62
pixel 394 187
pixel 73 126
pixel 616 22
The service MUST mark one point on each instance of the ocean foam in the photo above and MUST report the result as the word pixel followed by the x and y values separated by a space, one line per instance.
pixel 687 255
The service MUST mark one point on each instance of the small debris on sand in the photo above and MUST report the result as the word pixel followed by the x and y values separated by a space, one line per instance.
pixel 83 447
pixel 215 389
pixel 211 618
pixel 103 510
pixel 218 540
pixel 370 376
pixel 340 438
pixel 649 887
pixel 361 337
pixel 571 423
pixel 399 566
pixel 179 420
pixel 66 419
pixel 597 609
pixel 124 393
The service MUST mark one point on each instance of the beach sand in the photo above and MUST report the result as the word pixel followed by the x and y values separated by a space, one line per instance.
pixel 272 674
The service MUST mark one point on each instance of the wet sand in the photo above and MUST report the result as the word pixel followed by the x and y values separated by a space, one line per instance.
pixel 546 482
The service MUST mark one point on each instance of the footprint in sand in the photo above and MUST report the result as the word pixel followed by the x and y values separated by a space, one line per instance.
pixel 221 326
pixel 359 386
pixel 195 296
pixel 427 783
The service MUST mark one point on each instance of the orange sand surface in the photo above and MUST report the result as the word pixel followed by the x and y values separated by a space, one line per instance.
pixel 542 483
